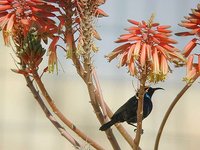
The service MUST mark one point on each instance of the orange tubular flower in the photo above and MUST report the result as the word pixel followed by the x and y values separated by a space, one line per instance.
pixel 192 67
pixel 19 17
pixel 147 45
pixel 22 14
pixel 53 55
pixel 192 23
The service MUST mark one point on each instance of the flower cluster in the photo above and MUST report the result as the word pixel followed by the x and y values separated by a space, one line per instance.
pixel 147 45
pixel 71 20
pixel 191 22
pixel 88 11
pixel 16 14
pixel 18 19
pixel 192 67
pixel 31 51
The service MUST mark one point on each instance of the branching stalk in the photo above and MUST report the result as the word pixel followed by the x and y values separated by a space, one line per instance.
pixel 102 103
pixel 169 110
pixel 48 114
pixel 100 99
pixel 61 116
pixel 86 28
pixel 84 72
pixel 92 90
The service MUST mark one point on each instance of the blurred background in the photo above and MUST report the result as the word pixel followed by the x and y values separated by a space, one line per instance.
pixel 23 126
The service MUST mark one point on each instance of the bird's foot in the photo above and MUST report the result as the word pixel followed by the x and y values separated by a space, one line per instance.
pixel 135 130
pixel 132 124
pixel 142 131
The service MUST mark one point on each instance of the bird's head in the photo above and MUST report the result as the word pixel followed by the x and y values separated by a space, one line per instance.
pixel 150 90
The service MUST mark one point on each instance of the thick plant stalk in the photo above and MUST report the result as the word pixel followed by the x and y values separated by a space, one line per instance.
pixel 83 67
pixel 88 67
pixel 61 116
pixel 96 107
pixel 86 29
pixel 48 114
pixel 92 92
pixel 81 70
pixel 102 103
pixel 169 110
pixel 101 100
pixel 140 108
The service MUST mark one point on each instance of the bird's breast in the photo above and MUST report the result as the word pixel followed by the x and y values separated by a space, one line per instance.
pixel 147 107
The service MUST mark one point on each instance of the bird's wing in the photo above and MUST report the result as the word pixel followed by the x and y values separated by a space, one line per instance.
pixel 129 105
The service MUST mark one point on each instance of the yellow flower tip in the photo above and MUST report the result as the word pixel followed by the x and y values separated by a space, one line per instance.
pixel 192 68
pixel 51 68
pixel 52 62
pixel 198 6
pixel 187 80
pixel 6 37
pixel 80 51
pixel 96 35
pixel 151 19
pixel 108 58
pixel 68 52
pixel 95 48
pixel 136 57
pixel 156 77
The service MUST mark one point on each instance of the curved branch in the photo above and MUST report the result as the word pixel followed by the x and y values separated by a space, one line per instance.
pixel 100 99
pixel 48 114
pixel 103 105
pixel 95 104
pixel 60 114
pixel 169 110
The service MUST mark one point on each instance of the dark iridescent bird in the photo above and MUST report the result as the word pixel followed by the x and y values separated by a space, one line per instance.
pixel 128 111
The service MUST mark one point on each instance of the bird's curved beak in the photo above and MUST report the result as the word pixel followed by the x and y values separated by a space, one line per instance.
pixel 158 89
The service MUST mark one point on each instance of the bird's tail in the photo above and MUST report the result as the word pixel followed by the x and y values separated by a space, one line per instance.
pixel 106 125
